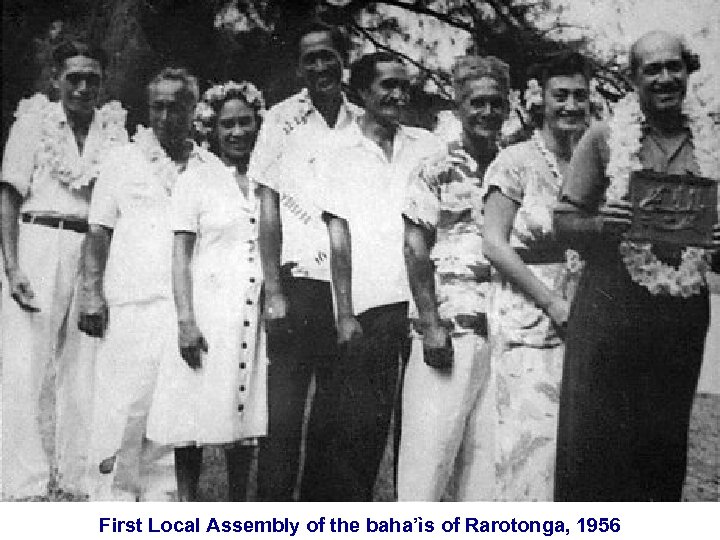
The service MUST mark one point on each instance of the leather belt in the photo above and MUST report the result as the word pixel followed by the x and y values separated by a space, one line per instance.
pixel 75 225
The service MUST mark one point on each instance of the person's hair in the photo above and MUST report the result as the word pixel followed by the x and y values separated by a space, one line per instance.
pixel 71 48
pixel 691 60
pixel 565 63
pixel 190 92
pixel 364 70
pixel 472 67
pixel 337 37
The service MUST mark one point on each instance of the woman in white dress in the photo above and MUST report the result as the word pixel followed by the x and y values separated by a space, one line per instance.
pixel 216 395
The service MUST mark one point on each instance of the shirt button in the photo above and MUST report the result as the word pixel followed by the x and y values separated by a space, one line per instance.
pixel 242 365
pixel 249 302
pixel 241 407
pixel 252 280
pixel 244 345
pixel 252 220
pixel 251 259
pixel 242 387
pixel 247 323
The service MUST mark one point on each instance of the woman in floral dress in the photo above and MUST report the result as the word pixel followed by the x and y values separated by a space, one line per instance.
pixel 532 288
pixel 217 396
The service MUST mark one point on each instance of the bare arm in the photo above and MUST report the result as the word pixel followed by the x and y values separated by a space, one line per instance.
pixel 93 317
pixel 270 239
pixel 341 269
pixel 20 288
pixel 500 214
pixel 190 339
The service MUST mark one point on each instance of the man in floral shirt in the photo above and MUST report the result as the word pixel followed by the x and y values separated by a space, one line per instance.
pixel 447 399
pixel 50 163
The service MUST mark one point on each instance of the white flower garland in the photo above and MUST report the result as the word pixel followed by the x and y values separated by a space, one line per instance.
pixel 164 168
pixel 76 171
pixel 625 144
pixel 204 118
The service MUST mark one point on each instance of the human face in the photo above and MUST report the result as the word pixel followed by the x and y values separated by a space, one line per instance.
pixel 320 65
pixel 79 82
pixel 170 114
pixel 388 93
pixel 236 130
pixel 661 75
pixel 483 108
pixel 566 103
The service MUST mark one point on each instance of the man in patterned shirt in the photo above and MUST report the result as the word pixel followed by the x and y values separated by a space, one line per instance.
pixel 447 398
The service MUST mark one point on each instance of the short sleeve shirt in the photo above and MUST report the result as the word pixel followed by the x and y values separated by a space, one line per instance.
pixel 292 135
pixel 445 195
pixel 358 183
pixel 134 200
pixel 42 162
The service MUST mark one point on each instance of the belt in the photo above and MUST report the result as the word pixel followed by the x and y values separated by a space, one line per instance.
pixel 75 225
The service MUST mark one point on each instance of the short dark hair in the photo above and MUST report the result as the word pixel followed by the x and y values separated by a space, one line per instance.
pixel 190 91
pixel 337 37
pixel 363 71
pixel 559 64
pixel 70 48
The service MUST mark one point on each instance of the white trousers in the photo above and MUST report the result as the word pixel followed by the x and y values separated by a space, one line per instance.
pixel 139 336
pixel 447 447
pixel 34 342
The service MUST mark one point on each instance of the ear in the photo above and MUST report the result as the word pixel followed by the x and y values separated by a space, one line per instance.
pixel 55 77
pixel 363 94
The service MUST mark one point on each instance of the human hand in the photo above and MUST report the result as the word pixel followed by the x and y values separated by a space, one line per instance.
pixel 558 310
pixel 616 218
pixel 21 291
pixel 349 330
pixel 191 343
pixel 276 307
pixel 437 347
pixel 93 317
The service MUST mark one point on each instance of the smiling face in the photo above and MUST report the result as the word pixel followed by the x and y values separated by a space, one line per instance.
pixel 79 82
pixel 660 75
pixel 236 130
pixel 482 108
pixel 320 65
pixel 566 103
pixel 171 112
pixel 388 93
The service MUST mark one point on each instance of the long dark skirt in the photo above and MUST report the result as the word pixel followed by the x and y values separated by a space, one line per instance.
pixel 632 362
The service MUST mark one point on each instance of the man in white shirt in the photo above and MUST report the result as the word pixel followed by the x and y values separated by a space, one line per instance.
pixel 361 182
pixel 50 163
pixel 294 250
pixel 127 281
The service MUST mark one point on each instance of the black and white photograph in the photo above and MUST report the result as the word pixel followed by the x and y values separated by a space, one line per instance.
pixel 354 251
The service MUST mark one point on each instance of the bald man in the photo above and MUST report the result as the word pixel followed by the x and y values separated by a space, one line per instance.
pixel 632 357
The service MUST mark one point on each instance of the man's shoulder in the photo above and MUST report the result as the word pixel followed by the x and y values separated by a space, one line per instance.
pixel 287 106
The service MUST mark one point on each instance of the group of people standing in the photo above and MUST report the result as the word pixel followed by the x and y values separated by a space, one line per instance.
pixel 193 295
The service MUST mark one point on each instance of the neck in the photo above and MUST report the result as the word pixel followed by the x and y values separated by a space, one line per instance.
pixel 78 121
pixel 379 132
pixel 665 122
pixel 240 163
pixel 328 106
pixel 482 149
pixel 559 142
pixel 178 151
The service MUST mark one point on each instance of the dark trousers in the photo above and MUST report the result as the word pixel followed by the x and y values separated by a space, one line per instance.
pixel 354 404
pixel 312 347
pixel 632 361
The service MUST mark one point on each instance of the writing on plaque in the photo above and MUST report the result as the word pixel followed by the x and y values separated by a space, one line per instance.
pixel 675 210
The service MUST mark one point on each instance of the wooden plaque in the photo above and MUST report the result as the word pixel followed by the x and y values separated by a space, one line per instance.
pixel 675 210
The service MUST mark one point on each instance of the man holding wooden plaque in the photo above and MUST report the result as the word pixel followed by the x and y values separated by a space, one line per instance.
pixel 641 206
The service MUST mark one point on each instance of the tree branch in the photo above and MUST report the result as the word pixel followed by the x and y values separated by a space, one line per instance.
pixel 417 8
pixel 440 80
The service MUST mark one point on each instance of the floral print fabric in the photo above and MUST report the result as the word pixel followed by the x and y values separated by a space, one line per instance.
pixel 445 196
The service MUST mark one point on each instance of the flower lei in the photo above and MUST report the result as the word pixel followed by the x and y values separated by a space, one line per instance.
pixel 76 171
pixel 573 262
pixel 625 143
pixel 164 168
pixel 204 118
